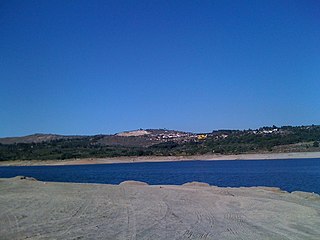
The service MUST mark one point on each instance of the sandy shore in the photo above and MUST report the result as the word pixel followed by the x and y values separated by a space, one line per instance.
pixel 46 210
pixel 258 156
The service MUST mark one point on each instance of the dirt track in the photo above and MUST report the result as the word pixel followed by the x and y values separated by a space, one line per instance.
pixel 38 210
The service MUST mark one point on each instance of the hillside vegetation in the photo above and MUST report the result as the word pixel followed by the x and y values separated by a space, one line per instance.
pixel 161 142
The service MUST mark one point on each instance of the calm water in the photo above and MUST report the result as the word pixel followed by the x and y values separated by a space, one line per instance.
pixel 290 175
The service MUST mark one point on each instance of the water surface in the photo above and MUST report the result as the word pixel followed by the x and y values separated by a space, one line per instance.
pixel 289 174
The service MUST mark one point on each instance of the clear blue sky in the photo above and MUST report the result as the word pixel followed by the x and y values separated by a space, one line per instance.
pixel 90 67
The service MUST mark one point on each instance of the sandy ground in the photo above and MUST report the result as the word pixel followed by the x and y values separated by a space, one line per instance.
pixel 46 210
pixel 258 156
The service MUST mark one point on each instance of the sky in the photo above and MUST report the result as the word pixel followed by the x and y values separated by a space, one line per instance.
pixel 101 67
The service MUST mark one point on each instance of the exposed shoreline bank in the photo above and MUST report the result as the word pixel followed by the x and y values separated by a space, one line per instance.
pixel 135 210
pixel 135 159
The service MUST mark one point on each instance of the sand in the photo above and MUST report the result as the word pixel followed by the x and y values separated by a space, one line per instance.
pixel 33 209
pixel 209 157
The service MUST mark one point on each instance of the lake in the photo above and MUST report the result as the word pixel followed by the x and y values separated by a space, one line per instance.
pixel 289 175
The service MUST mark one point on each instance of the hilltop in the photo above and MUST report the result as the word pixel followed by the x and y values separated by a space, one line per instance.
pixel 162 142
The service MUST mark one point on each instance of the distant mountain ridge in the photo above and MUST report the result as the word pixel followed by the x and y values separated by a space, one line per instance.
pixel 34 138
pixel 162 142
pixel 103 138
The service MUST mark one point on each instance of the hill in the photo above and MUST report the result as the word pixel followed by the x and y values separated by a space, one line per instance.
pixel 161 142
pixel 34 138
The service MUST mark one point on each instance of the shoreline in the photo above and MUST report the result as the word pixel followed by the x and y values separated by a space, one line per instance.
pixel 134 210
pixel 136 159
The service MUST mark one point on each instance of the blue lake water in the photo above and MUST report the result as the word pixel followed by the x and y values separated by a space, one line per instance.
pixel 289 175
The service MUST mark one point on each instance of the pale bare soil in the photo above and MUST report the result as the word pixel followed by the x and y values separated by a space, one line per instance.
pixel 256 156
pixel 135 133
pixel 38 210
